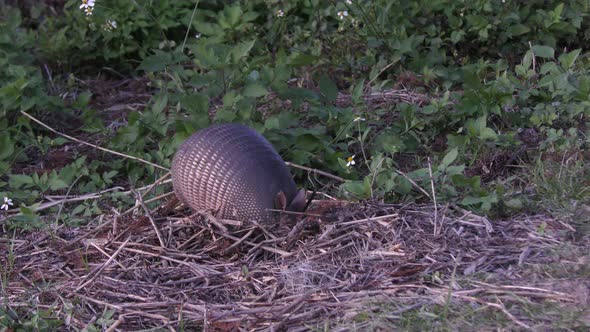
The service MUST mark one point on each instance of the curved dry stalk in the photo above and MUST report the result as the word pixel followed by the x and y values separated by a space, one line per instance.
pixel 92 145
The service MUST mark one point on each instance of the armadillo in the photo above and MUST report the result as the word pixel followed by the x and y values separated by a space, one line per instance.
pixel 233 171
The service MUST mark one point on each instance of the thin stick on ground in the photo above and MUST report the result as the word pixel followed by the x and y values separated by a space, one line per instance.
pixel 436 228
pixel 149 216
pixel 496 306
pixel 413 183
pixel 97 271
pixel 313 170
pixel 92 145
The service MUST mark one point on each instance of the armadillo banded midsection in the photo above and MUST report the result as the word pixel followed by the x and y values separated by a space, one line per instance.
pixel 232 170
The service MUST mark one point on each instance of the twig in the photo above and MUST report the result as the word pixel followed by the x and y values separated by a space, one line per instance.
pixel 97 271
pixel 92 145
pixel 188 29
pixel 534 57
pixel 149 215
pixel 381 71
pixel 67 193
pixel 295 213
pixel 413 182
pixel 157 182
pixel 116 324
pixel 92 243
pixel 494 305
pixel 294 234
pixel 436 229
pixel 283 253
pixel 353 222
pixel 313 170
pixel 237 243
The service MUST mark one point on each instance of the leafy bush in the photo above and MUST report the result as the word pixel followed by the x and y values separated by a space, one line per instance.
pixel 491 73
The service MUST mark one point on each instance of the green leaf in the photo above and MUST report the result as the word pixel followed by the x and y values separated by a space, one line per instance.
pixel 303 60
pixel 361 189
pixel 255 90
pixel 197 104
pixel 156 62
pixel 17 181
pixel 6 146
pixel 160 104
pixel 13 19
pixel 205 56
pixel 298 93
pixel 83 99
pixel 527 61
pixel 357 92
pixel 457 36
pixel 328 88
pixel 249 16
pixel 514 203
pixel 518 29
pixel 232 14
pixel 307 142
pixel 558 10
pixel 487 133
pixel 107 176
pixel 567 60
pixel 55 183
pixel 272 123
pixel 450 157
pixel 128 134
pixel 209 29
pixel 242 49
pixel 544 51
pixel 453 170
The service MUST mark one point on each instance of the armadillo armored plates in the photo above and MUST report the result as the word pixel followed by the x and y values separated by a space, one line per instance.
pixel 234 172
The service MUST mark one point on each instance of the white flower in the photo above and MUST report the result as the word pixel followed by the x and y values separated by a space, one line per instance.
pixel 349 2
pixel 358 118
pixel 7 202
pixel 342 14
pixel 110 25
pixel 198 35
pixel 280 13
pixel 87 4
pixel 350 161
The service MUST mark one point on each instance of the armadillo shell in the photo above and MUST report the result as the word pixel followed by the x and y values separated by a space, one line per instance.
pixel 232 171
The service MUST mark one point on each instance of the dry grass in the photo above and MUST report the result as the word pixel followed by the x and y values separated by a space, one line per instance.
pixel 160 269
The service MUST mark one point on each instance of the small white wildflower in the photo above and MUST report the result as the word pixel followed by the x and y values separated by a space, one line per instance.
pixel 88 11
pixel 342 14
pixel 350 161
pixel 110 25
pixel 7 203
pixel 358 118
pixel 349 2
pixel 198 35
pixel 87 4
pixel 280 13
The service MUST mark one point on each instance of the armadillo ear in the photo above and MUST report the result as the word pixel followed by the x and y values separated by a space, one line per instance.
pixel 298 203
pixel 280 201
